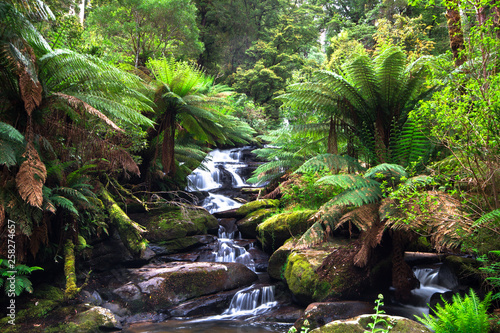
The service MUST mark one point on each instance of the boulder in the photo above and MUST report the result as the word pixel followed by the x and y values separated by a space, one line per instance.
pixel 277 261
pixel 326 272
pixel 274 231
pixel 256 205
pixel 176 223
pixel 248 225
pixel 360 325
pixel 160 287
pixel 319 314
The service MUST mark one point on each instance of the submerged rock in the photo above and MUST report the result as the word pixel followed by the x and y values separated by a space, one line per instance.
pixel 360 325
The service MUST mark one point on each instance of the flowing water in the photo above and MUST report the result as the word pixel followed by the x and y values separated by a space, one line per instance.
pixel 221 171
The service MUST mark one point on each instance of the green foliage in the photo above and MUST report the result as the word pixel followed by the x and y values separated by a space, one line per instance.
pixel 491 271
pixel 330 162
pixel 467 314
pixel 20 282
pixel 377 320
pixel 303 329
pixel 302 191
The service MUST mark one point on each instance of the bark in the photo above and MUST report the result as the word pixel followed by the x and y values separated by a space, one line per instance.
pixel 332 138
pixel 456 35
pixel 130 231
pixel 168 145
pixel 403 278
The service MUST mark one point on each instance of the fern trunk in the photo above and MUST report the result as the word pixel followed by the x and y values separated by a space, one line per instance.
pixel 456 35
pixel 130 232
pixel 69 270
pixel 332 138
pixel 168 145
pixel 403 278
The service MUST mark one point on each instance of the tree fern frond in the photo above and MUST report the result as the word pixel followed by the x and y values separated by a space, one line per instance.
pixel 411 145
pixel 357 197
pixel 64 203
pixel 492 218
pixel 348 181
pixel 387 171
pixel 329 162
pixel 8 132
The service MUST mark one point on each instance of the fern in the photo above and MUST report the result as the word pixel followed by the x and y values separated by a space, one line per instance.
pixel 329 162
pixel 467 314
pixel 358 197
pixel 410 145
pixel 21 281
pixel 492 217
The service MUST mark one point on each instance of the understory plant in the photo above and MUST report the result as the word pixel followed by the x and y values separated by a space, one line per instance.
pixel 378 321
pixel 18 275
pixel 462 315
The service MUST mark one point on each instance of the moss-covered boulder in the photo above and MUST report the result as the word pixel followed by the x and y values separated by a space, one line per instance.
pixel 248 225
pixel 178 223
pixel 159 287
pixel 326 272
pixel 360 325
pixel 256 205
pixel 277 261
pixel 274 231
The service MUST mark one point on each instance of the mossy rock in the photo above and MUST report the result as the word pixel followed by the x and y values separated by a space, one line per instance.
pixel 248 225
pixel 274 231
pixel 83 319
pixel 277 261
pixel 180 244
pixel 465 269
pixel 360 325
pixel 179 223
pixel 326 272
pixel 46 291
pixel 256 205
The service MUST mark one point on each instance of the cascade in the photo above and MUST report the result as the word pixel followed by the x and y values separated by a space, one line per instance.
pixel 221 170
pixel 252 301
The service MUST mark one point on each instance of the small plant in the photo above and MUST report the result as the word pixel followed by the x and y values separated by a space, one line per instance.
pixel 15 279
pixel 379 324
pixel 463 315
pixel 304 329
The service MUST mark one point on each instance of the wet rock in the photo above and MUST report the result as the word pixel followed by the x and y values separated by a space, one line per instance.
pixel 146 317
pixel 283 314
pixel 319 314
pixel 204 306
pixel 159 287
pixel 260 258
pixel 96 319
pixel 90 297
pixel 274 231
pixel 248 225
pixel 109 253
pixel 116 308
pixel 360 325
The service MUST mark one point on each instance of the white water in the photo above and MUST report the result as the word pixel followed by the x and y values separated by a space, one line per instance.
pixel 421 297
pixel 210 176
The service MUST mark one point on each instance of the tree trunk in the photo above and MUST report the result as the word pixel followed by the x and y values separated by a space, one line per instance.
pixel 332 138
pixel 456 35
pixel 168 145
pixel 130 232
pixel 69 270
pixel 403 278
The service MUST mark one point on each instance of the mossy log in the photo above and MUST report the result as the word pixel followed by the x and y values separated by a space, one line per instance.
pixel 69 270
pixel 130 232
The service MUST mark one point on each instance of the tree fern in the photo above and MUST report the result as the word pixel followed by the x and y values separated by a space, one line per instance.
pixel 491 218
pixel 387 171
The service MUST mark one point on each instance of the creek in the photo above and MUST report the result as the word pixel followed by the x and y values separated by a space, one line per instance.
pixel 222 177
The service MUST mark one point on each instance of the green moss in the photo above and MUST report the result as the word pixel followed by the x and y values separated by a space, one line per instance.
pixel 69 270
pixel 248 225
pixel 274 231
pixel 176 223
pixel 48 292
pixel 256 205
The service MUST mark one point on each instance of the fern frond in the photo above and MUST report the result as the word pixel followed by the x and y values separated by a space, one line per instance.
pixel 64 203
pixel 329 162
pixel 357 197
pixel 31 177
pixel 348 181
pixel 492 218
pixel 387 171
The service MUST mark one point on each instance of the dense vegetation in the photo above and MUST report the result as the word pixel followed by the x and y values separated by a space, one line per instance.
pixel 381 114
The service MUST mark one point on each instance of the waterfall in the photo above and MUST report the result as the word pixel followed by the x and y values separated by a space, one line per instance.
pixel 219 171
pixel 252 301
